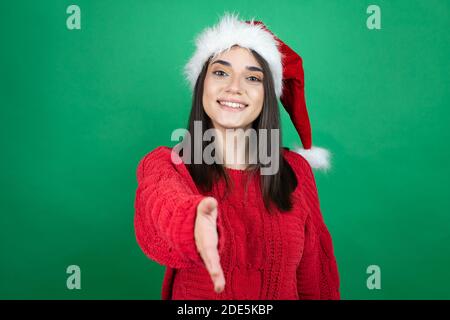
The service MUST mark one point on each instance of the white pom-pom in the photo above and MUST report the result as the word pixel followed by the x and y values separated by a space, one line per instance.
pixel 318 158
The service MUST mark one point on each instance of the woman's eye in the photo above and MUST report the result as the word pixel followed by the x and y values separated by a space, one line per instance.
pixel 219 71
pixel 255 79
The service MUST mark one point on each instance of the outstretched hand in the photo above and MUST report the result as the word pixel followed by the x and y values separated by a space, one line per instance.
pixel 207 239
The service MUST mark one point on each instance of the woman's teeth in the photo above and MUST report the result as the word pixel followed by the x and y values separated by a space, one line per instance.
pixel 232 104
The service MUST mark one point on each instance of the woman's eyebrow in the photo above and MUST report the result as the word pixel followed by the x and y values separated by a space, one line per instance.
pixel 226 63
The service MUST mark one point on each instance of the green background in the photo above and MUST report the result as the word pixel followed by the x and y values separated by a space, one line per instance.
pixel 80 108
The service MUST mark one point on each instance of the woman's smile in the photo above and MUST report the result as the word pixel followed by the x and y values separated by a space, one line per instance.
pixel 231 106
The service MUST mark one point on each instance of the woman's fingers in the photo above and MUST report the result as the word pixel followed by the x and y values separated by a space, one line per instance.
pixel 212 262
pixel 208 205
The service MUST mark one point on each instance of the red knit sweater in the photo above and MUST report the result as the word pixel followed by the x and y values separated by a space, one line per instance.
pixel 286 255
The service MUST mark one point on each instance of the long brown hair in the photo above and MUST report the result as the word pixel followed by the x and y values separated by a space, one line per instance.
pixel 276 188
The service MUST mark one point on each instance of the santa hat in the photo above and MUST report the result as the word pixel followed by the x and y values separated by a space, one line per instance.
pixel 285 64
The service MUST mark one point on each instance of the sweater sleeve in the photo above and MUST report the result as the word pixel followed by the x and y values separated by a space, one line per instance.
pixel 317 273
pixel 165 210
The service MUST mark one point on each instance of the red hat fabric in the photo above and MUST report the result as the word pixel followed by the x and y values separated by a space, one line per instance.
pixel 293 100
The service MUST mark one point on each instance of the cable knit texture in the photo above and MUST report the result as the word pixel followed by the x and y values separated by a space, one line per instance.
pixel 269 256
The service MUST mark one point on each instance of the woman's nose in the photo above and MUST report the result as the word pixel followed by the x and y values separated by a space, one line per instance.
pixel 235 85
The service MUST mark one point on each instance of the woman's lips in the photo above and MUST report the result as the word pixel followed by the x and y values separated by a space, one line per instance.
pixel 231 109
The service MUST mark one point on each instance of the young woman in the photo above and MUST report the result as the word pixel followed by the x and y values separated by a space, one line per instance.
pixel 225 229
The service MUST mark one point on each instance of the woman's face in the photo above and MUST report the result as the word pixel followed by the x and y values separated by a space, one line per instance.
pixel 233 92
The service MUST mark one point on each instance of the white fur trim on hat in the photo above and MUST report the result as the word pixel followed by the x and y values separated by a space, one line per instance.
pixel 318 158
pixel 231 31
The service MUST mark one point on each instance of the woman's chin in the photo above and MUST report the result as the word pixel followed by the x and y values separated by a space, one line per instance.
pixel 230 125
